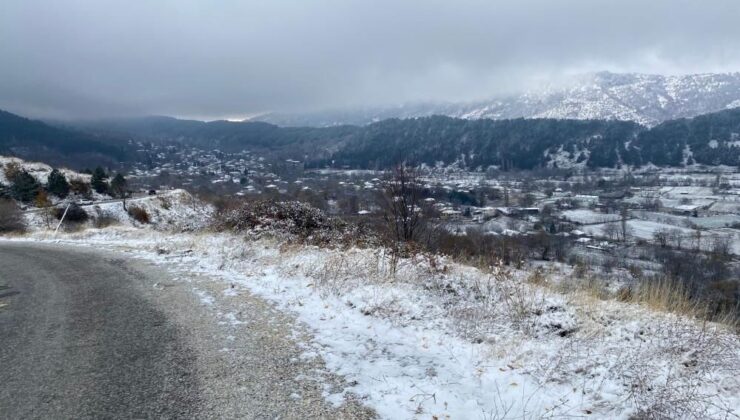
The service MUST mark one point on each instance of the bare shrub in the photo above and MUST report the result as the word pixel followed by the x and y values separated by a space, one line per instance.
pixel 580 270
pixel 75 214
pixel 624 294
pixel 537 277
pixel 339 271
pixel 291 218
pixel 685 359
pixel 401 204
pixel 103 220
pixel 80 187
pixel 635 271
pixel 139 214
pixel 11 217
pixel 611 230
pixel 661 236
pixel 165 202
pixel 12 170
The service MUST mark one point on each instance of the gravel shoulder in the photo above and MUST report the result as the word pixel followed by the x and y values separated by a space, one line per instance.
pixel 96 334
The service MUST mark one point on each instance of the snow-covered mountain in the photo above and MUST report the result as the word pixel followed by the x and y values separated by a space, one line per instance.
pixel 646 99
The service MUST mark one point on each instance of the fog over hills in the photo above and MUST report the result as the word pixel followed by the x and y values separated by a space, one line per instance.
pixel 647 99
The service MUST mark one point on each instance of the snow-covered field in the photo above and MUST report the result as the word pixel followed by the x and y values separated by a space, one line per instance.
pixel 586 216
pixel 436 339
pixel 706 222
pixel 645 229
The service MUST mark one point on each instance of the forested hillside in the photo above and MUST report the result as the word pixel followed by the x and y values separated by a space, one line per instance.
pixel 35 140
pixel 510 144
pixel 712 139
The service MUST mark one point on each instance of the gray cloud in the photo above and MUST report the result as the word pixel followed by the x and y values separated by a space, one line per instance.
pixel 210 59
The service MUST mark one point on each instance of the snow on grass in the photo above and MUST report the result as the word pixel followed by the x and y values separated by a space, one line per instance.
pixel 445 340
pixel 39 170
pixel 174 210
pixel 706 222
pixel 585 216
pixel 645 229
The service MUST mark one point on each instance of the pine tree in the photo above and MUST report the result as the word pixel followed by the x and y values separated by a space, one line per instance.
pixel 118 186
pixel 25 187
pixel 57 184
pixel 98 181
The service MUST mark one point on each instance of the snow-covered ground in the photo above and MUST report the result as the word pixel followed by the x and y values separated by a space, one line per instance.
pixel 436 339
pixel 40 171
pixel 174 210
pixel 645 229
pixel 586 216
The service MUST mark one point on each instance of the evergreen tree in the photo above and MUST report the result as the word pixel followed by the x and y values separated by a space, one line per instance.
pixel 98 181
pixel 57 184
pixel 118 186
pixel 25 187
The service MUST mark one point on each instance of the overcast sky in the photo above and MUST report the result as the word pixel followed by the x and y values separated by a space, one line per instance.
pixel 229 58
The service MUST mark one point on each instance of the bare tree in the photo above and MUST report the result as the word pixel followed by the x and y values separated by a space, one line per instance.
pixel 676 237
pixel 651 202
pixel 401 204
pixel 45 207
pixel 623 216
pixel 697 239
pixel 661 237
pixel 722 247
pixel 611 230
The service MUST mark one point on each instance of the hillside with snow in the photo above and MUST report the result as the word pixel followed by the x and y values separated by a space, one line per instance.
pixel 643 98
pixel 39 170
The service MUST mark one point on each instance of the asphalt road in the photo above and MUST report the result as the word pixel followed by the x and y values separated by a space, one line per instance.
pixel 87 334
pixel 78 341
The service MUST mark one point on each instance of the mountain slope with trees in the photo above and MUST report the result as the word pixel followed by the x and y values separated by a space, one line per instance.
pixel 35 140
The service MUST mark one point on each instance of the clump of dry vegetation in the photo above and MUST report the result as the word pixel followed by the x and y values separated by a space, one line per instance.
pixel 139 214
pixel 669 295
pixel 103 219
pixel 74 214
pixel 11 217
pixel 294 219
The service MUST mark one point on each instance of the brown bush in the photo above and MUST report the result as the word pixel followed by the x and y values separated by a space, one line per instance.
pixel 292 218
pixel 104 220
pixel 79 187
pixel 139 214
pixel 75 214
pixel 11 217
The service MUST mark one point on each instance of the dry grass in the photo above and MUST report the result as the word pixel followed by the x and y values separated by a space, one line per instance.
pixel 666 296
pixel 11 217
pixel 669 296
pixel 661 295
pixel 139 214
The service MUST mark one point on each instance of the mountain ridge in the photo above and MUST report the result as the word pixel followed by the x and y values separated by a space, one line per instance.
pixel 646 99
